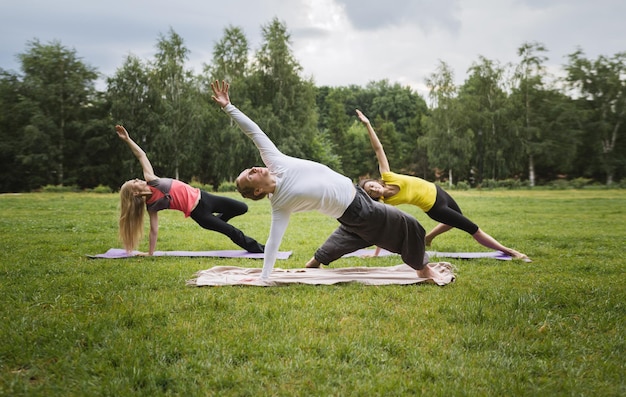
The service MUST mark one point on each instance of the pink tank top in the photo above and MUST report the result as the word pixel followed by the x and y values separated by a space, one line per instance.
pixel 172 194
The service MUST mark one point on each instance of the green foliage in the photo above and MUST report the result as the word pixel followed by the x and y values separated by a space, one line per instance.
pixel 56 101
pixel 462 185
pixel 102 189
pixel 77 326
pixel 224 187
pixel 12 118
pixel 178 107
pixel 448 143
pixel 579 183
pixel 486 106
pixel 511 183
pixel 503 184
pixel 59 188
pixel 132 103
pixel 602 83
pixel 559 184
pixel 225 151
pixel 395 113
pixel 281 101
pixel 505 122
pixel 227 187
pixel 200 185
pixel 323 150
pixel 230 56
pixel 488 184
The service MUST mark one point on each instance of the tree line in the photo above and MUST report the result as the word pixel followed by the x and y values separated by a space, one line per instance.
pixel 504 122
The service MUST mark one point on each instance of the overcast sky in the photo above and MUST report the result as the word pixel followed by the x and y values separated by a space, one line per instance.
pixel 337 42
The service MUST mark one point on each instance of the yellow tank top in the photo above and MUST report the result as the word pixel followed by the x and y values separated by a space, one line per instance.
pixel 413 190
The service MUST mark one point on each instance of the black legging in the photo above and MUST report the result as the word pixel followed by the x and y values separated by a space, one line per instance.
pixel 225 208
pixel 448 212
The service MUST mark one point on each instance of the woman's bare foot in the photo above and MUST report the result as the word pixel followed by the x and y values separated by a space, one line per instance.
pixel 518 255
pixel 312 264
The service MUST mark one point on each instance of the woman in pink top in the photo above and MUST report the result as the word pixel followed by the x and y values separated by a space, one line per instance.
pixel 395 189
pixel 210 211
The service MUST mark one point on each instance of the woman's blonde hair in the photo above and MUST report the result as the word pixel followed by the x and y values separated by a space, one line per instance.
pixel 131 217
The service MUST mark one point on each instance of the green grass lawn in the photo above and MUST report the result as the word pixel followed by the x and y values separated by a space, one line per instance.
pixel 73 326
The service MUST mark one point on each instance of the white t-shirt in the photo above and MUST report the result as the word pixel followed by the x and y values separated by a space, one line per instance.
pixel 301 185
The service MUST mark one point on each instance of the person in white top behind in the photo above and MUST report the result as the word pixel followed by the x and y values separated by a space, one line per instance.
pixel 296 185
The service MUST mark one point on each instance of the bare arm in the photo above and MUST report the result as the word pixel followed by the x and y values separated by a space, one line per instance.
pixel 154 231
pixel 383 163
pixel 148 172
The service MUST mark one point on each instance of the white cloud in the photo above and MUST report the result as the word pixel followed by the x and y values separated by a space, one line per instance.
pixel 337 42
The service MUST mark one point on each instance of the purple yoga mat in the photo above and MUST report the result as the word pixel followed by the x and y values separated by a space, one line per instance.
pixel 116 253
pixel 456 255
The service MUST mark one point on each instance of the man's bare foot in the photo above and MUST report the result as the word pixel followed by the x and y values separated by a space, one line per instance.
pixel 436 270
pixel 312 264
pixel 425 273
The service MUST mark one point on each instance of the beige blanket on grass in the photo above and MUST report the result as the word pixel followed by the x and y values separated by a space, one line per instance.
pixel 400 274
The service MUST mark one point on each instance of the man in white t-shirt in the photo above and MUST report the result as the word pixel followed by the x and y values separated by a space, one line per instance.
pixel 295 185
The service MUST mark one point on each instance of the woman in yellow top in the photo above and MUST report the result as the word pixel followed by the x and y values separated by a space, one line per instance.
pixel 395 189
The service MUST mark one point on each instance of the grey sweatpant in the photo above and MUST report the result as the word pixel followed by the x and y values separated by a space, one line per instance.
pixel 367 222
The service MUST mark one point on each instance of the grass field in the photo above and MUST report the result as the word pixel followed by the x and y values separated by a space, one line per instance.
pixel 72 326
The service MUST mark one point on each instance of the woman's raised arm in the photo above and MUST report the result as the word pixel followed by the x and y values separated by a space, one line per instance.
pixel 383 163
pixel 146 166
